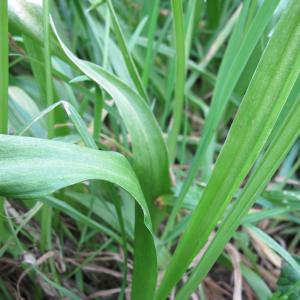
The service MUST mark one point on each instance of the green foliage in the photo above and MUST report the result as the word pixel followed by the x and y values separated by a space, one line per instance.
pixel 115 99
pixel 289 283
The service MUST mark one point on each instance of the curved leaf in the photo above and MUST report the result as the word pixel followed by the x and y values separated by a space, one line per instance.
pixel 32 168
pixel 150 154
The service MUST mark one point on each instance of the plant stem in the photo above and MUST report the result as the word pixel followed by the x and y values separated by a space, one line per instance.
pixel 47 210
pixel 97 113
pixel 3 91
pixel 3 67
pixel 180 77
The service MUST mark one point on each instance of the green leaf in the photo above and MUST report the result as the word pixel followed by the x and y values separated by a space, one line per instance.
pixel 150 157
pixel 286 135
pixel 240 47
pixel 289 282
pixel 150 154
pixel 276 247
pixel 257 284
pixel 180 76
pixel 126 54
pixel 32 168
pixel 273 79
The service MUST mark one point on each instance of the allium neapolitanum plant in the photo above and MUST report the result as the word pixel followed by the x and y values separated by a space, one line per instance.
pixel 102 101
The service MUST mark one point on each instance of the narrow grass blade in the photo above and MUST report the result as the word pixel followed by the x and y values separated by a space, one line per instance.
pixel 285 137
pixel 3 67
pixel 151 35
pixel 256 283
pixel 234 61
pixel 74 117
pixel 29 215
pixel 273 79
pixel 47 213
pixel 78 216
pixel 276 247
pixel 3 90
pixel 126 54
pixel 192 18
pixel 180 77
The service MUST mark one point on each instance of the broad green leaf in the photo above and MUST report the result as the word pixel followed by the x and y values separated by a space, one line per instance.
pixel 26 16
pixel 32 168
pixel 150 161
pixel 150 156
pixel 274 78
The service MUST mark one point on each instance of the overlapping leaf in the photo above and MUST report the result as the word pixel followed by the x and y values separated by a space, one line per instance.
pixel 261 106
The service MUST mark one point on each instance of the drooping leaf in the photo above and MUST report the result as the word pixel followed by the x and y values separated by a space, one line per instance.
pixel 32 168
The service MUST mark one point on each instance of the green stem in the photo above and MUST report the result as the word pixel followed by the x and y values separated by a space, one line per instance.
pixel 3 67
pixel 47 210
pixel 3 92
pixel 145 266
pixel 98 100
pixel 180 76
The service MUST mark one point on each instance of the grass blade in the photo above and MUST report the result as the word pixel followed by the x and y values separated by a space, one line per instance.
pixel 286 135
pixel 151 34
pixel 3 90
pixel 276 247
pixel 180 76
pixel 234 60
pixel 126 54
pixel 47 213
pixel 273 79
pixel 3 67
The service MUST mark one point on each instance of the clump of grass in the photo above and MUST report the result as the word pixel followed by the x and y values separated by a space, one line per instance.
pixel 170 154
